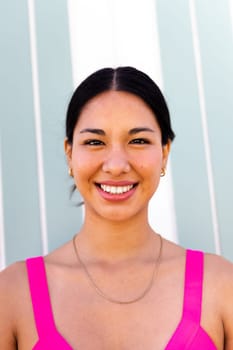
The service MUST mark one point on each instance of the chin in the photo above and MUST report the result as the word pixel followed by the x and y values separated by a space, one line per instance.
pixel 119 215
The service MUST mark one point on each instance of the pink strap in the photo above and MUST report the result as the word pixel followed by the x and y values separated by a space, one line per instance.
pixel 193 285
pixel 190 322
pixel 40 297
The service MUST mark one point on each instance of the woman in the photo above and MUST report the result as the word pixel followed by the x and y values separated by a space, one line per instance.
pixel 117 284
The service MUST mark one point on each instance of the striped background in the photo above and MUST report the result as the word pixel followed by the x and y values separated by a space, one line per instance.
pixel 48 47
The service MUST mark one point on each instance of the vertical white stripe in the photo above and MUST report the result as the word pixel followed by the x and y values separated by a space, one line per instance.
pixel 231 13
pixel 136 35
pixel 91 36
pixel 201 92
pixel 2 241
pixel 119 33
pixel 37 113
pixel 162 208
pixel 162 215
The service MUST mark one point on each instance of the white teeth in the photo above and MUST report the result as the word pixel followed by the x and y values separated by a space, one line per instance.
pixel 116 189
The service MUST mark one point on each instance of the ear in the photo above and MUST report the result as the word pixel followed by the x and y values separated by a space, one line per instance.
pixel 166 151
pixel 68 151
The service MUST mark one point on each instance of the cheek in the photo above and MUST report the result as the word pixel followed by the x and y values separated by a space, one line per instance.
pixel 151 164
pixel 81 159
pixel 84 166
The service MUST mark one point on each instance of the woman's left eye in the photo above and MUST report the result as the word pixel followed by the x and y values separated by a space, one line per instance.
pixel 140 141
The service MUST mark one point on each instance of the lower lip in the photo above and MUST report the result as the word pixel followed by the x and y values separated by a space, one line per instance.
pixel 116 197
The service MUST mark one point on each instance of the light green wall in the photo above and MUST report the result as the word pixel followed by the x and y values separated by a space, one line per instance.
pixel 19 169
pixel 216 41
pixel 19 155
pixel 192 196
pixel 21 190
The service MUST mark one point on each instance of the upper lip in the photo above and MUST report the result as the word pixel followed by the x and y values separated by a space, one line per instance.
pixel 116 183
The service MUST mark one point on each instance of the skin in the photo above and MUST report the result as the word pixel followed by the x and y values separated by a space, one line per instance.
pixel 118 247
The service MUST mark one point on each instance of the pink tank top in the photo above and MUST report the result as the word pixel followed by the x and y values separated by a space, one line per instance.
pixel 189 335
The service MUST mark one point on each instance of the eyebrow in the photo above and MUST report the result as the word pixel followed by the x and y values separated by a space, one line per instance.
pixel 131 131
pixel 140 129
pixel 93 131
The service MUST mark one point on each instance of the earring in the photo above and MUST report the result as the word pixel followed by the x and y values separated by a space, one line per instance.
pixel 163 172
pixel 70 172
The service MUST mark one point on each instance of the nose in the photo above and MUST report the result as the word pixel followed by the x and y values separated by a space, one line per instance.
pixel 116 162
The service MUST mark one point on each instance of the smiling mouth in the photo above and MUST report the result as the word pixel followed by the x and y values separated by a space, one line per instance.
pixel 116 189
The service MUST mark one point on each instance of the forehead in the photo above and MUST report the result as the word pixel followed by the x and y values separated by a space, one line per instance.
pixel 118 108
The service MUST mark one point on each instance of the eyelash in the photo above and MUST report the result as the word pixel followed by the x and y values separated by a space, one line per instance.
pixel 140 141
pixel 95 142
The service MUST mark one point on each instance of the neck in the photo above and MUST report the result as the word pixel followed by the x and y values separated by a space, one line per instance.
pixel 115 239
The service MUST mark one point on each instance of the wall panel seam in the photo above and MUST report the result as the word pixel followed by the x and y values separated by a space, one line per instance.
pixel 201 93
pixel 2 231
pixel 38 131
pixel 231 13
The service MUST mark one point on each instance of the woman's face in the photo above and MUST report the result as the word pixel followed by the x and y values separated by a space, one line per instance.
pixel 117 155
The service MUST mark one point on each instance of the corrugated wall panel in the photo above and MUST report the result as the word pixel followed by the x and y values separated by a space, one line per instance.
pixel 19 165
pixel 55 86
pixel 215 32
pixel 192 55
pixel 192 199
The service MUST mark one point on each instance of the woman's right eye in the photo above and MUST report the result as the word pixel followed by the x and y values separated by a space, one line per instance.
pixel 93 142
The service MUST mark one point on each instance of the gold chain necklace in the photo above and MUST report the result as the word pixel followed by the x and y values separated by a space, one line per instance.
pixel 113 300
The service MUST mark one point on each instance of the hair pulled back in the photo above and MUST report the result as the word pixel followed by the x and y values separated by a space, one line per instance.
pixel 127 79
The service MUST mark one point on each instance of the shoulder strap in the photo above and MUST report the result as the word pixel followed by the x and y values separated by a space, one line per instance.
pixel 40 296
pixel 193 285
pixel 190 322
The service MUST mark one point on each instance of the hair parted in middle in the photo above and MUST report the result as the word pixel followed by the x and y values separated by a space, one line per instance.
pixel 126 79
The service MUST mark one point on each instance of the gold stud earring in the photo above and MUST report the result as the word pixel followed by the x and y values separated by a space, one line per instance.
pixel 70 172
pixel 163 172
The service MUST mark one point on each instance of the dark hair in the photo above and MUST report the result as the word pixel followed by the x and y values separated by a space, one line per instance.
pixel 126 79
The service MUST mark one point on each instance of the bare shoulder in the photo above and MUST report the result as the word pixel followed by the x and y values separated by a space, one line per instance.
pixel 13 281
pixel 220 270
pixel 219 279
pixel 12 290
pixel 13 277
